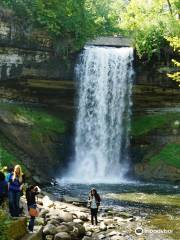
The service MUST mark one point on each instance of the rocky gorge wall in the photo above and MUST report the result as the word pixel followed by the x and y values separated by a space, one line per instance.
pixel 36 99
pixel 36 84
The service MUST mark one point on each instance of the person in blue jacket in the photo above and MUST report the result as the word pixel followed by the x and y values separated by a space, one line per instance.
pixel 3 188
pixel 15 185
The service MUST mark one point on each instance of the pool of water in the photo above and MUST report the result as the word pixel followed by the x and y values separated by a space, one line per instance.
pixel 81 190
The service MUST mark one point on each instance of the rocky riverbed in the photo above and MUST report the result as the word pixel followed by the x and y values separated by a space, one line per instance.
pixel 71 221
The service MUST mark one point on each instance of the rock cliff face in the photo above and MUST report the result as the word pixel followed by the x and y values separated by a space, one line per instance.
pixel 31 74
pixel 36 99
pixel 28 53
pixel 155 135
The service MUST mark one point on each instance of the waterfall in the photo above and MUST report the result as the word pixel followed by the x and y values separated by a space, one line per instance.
pixel 104 77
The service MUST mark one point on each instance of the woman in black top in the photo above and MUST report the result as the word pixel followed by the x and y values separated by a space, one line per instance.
pixel 31 193
pixel 94 202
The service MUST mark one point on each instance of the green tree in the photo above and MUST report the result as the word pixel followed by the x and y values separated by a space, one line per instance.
pixel 175 43
pixel 149 22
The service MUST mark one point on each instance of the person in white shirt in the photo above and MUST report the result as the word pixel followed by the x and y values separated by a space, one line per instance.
pixel 94 202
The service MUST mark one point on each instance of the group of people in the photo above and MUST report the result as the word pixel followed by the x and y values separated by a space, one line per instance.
pixel 12 187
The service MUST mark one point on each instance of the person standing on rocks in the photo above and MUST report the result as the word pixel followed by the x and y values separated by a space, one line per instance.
pixel 3 188
pixel 15 186
pixel 31 194
pixel 94 203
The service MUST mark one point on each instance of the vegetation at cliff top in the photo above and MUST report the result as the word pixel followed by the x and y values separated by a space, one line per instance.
pixel 146 123
pixel 170 155
pixel 149 22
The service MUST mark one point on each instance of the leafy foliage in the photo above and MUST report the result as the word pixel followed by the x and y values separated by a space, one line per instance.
pixel 149 22
pixel 4 222
pixel 71 23
pixel 175 43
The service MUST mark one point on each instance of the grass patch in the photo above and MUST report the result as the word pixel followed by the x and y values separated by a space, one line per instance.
pixel 144 124
pixel 4 223
pixel 6 158
pixel 9 160
pixel 154 199
pixel 170 154
pixel 41 121
pixel 165 221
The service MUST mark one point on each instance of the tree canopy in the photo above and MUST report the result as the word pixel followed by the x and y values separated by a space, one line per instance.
pixel 148 22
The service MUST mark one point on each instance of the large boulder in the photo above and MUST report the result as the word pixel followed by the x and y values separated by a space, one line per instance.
pixel 49 229
pixel 102 226
pixel 66 216
pixel 62 236
pixel 17 228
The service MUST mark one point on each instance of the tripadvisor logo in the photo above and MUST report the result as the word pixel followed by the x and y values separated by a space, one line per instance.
pixel 139 231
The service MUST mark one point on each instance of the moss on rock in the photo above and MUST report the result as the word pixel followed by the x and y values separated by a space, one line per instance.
pixel 146 123
pixel 39 119
pixel 170 155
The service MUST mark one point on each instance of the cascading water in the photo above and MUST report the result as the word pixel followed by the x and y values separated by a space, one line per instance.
pixel 105 78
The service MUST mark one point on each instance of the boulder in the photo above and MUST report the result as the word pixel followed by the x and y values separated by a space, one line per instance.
pixel 66 216
pixel 62 236
pixel 117 238
pixel 62 228
pixel 49 229
pixel 101 236
pixel 47 203
pixel 86 238
pixel 43 213
pixel 77 231
pixel 88 227
pixel 54 222
pixel 49 237
pixel 89 234
pixel 108 221
pixel 102 226
pixel 113 233
pixel 81 215
pixel 111 226
pixel 77 221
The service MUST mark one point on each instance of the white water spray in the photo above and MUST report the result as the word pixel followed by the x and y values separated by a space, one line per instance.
pixel 105 77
